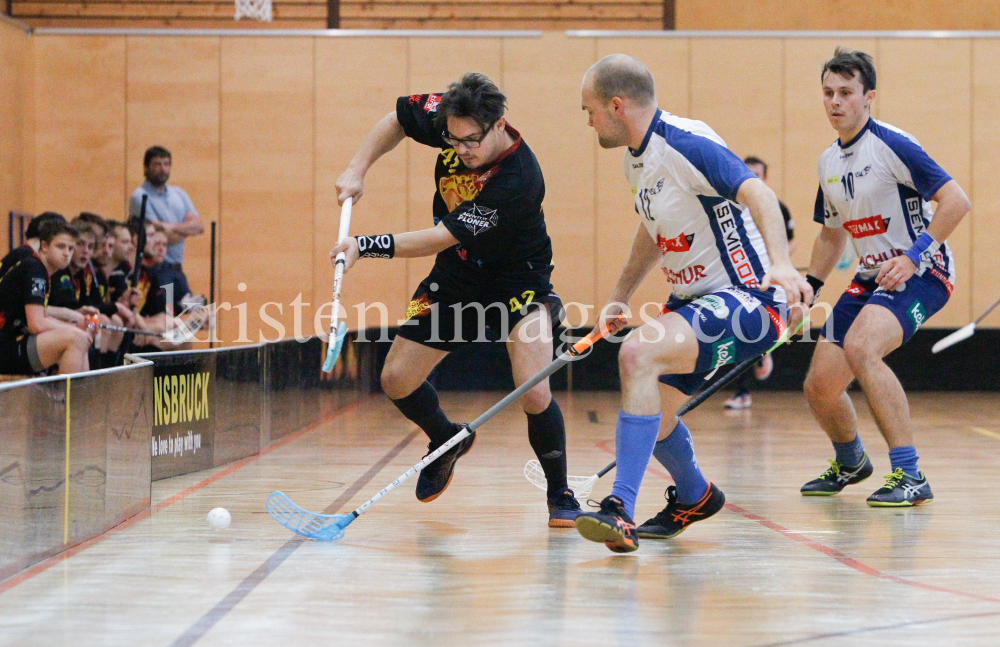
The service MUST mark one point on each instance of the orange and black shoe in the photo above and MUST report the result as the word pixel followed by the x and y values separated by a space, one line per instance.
pixel 676 517
pixel 435 478
pixel 612 526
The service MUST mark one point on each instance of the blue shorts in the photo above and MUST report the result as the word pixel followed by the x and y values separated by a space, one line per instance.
pixel 920 299
pixel 732 325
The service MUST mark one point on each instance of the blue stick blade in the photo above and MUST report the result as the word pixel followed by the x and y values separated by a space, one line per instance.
pixel 333 349
pixel 324 527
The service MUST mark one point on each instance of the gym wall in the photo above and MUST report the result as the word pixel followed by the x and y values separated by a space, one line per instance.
pixel 261 126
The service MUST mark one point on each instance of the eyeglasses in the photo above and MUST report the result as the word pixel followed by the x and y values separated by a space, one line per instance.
pixel 470 142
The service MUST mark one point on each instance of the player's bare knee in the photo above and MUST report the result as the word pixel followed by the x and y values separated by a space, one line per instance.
pixel 859 352
pixel 394 382
pixel 631 357
pixel 537 399
pixel 815 388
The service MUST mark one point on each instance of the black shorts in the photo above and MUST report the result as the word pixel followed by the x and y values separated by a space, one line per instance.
pixel 446 316
pixel 20 357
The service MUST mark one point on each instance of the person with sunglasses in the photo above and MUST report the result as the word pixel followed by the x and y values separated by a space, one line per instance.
pixel 491 280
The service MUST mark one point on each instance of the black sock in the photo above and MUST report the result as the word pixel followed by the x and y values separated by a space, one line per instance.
pixel 547 435
pixel 423 408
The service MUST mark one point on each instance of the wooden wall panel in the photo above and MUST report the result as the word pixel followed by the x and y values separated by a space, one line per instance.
pixel 985 186
pixel 267 179
pixel 545 107
pixel 807 133
pixel 850 15
pixel 434 63
pixel 669 62
pixel 173 101
pixel 80 124
pixel 353 91
pixel 15 52
pixel 925 89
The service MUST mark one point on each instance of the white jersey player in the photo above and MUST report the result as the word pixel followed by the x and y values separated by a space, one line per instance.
pixel 875 186
pixel 717 232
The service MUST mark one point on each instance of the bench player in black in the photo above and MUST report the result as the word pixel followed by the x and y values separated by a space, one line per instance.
pixel 492 269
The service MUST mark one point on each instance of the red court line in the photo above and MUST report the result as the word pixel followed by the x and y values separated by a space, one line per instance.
pixel 849 562
pixel 46 564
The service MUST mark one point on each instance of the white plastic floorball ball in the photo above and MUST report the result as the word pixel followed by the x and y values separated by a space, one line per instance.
pixel 219 518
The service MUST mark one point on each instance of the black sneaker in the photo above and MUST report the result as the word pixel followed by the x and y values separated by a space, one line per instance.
pixel 563 510
pixel 611 526
pixel 901 490
pixel 435 478
pixel 838 477
pixel 676 517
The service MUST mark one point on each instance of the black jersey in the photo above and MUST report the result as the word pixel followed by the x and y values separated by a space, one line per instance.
pixel 62 292
pixel 789 223
pixel 152 296
pixel 25 283
pixel 118 281
pixel 495 212
pixel 15 256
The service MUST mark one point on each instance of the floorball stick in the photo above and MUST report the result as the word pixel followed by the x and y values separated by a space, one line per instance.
pixel 337 332
pixel 584 484
pixel 962 333
pixel 331 526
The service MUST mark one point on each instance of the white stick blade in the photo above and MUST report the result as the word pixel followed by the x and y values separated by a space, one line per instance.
pixel 581 485
pixel 961 334
pixel 535 475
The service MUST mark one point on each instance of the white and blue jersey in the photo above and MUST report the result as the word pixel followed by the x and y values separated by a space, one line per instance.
pixel 685 181
pixel 878 187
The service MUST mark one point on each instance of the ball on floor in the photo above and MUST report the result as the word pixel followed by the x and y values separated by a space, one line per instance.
pixel 219 518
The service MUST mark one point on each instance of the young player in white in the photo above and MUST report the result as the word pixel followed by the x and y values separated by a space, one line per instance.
pixel 717 233
pixel 875 184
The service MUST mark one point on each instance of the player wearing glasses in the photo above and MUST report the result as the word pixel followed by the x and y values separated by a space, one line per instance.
pixel 492 269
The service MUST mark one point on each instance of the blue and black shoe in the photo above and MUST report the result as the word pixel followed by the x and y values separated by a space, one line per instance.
pixel 563 510
pixel 435 478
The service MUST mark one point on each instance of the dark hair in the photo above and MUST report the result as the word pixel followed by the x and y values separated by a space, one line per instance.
pixel 154 151
pixel 94 220
pixel 82 227
pixel 35 226
pixel 473 96
pixel 115 225
pixel 134 225
pixel 750 159
pixel 848 63
pixel 619 75
pixel 53 228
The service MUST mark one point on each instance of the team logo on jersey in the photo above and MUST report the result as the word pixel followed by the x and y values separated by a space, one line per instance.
pixel 656 189
pixel 462 187
pixel 726 218
pixel 686 275
pixel 866 227
pixel 682 243
pixel 38 287
pixel 432 103
pixel 917 315
pixel 723 352
pixel 413 100
pixel 478 219
pixel 863 172
pixel 854 289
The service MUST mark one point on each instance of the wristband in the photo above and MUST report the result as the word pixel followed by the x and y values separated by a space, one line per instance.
pixel 381 246
pixel 815 284
pixel 922 251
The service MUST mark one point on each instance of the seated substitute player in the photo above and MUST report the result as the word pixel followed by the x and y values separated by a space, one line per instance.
pixel 31 242
pixel 716 231
pixel 874 184
pixel 494 258
pixel 30 340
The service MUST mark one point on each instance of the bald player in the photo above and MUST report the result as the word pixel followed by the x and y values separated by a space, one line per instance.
pixel 716 232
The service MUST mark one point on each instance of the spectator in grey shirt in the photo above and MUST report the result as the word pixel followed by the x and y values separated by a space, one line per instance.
pixel 171 207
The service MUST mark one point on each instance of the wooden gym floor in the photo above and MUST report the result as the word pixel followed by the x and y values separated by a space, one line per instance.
pixel 479 566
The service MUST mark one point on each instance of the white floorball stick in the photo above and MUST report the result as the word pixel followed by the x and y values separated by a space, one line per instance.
pixel 962 333
pixel 337 332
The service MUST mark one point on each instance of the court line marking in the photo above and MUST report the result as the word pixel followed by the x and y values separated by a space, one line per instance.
pixel 898 625
pixel 48 563
pixel 204 624
pixel 847 561
pixel 985 432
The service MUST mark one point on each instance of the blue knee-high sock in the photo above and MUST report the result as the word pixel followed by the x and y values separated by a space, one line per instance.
pixel 676 453
pixel 851 453
pixel 635 437
pixel 906 458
